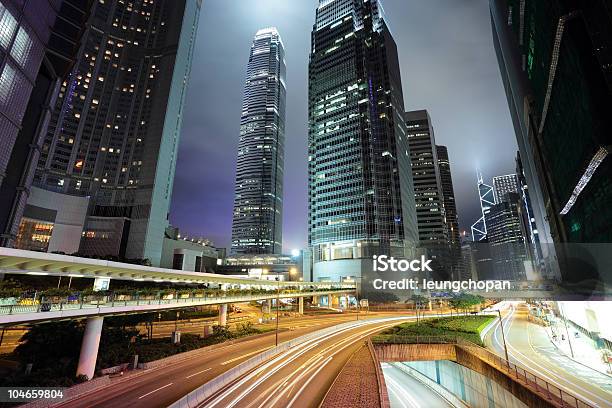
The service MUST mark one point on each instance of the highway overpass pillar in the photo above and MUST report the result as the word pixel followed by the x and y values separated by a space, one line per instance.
pixel 301 305
pixel 335 301
pixel 223 314
pixel 89 347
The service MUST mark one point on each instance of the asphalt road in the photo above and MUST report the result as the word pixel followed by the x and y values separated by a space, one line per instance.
pixel 162 386
pixel 406 391
pixel 301 376
pixel 529 346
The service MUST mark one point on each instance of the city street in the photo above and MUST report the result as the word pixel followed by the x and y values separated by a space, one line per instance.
pixel 301 376
pixel 406 391
pixel 529 346
pixel 163 386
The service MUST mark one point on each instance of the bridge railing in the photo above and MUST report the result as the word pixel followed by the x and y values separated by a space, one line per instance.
pixel 57 304
pixel 553 393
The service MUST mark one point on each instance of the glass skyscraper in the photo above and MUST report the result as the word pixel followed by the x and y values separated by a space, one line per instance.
pixel 115 129
pixel 555 59
pixel 503 185
pixel 361 199
pixel 258 202
pixel 430 210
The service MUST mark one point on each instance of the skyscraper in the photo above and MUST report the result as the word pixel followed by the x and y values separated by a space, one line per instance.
pixel 487 199
pixel 115 129
pixel 258 201
pixel 38 42
pixel 503 185
pixel 430 210
pixel 448 195
pixel 506 239
pixel 450 210
pixel 555 58
pixel 431 218
pixel 361 198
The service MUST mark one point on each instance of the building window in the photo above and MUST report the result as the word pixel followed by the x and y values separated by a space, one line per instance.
pixel 34 235
pixel 177 261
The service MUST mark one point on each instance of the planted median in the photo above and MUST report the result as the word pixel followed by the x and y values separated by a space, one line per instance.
pixel 464 327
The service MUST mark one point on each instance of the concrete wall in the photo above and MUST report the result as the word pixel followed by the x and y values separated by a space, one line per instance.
pixel 472 387
pixel 465 357
pixel 69 219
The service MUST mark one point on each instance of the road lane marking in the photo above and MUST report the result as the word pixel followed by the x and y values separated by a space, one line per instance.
pixel 199 372
pixel 160 388
pixel 288 356
pixel 410 399
pixel 245 355
pixel 541 368
pixel 312 377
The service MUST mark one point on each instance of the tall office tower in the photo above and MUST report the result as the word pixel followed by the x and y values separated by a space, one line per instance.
pixel 115 129
pixel 487 199
pixel 448 195
pixel 450 210
pixel 529 222
pixel 505 237
pixel 555 58
pixel 361 200
pixel 258 202
pixel 38 40
pixel 430 211
pixel 503 185
pixel 428 196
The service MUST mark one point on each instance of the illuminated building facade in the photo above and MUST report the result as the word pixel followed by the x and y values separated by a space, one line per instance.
pixel 258 202
pixel 555 59
pixel 361 199
pixel 115 128
pixel 38 42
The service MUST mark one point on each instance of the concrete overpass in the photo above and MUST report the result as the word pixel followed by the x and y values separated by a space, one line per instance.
pixel 95 307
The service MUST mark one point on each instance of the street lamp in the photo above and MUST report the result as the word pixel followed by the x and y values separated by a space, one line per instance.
pixel 501 323
pixel 265 271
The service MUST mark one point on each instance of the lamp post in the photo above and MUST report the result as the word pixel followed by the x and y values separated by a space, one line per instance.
pixel 501 323
pixel 566 329
pixel 265 271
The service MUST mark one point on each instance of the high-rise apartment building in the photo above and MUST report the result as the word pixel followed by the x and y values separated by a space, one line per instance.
pixel 555 59
pixel 115 129
pixel 503 185
pixel 361 200
pixel 258 202
pixel 38 42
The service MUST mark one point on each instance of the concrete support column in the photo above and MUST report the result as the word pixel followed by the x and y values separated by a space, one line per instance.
pixel 223 314
pixel 315 300
pixel 301 305
pixel 89 347
pixel 335 301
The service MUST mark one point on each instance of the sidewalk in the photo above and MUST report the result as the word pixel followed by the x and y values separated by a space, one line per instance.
pixel 585 350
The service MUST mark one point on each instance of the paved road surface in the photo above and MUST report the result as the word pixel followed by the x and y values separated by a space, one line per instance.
pixel 529 346
pixel 160 387
pixel 405 391
pixel 300 377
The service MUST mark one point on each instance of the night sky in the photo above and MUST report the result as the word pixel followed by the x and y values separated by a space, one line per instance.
pixel 448 67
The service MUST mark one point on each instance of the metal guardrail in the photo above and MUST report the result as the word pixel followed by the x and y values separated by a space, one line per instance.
pixel 533 382
pixel 101 302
